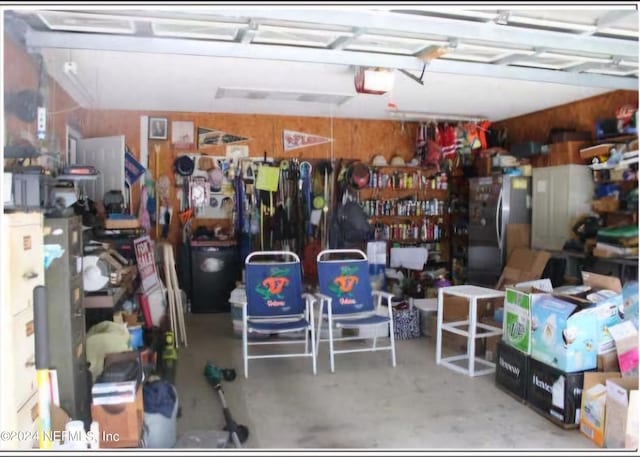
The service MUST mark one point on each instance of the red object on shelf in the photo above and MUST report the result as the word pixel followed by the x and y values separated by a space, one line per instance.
pixel 143 299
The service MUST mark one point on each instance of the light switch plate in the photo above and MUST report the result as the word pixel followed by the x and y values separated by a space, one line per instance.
pixel 42 121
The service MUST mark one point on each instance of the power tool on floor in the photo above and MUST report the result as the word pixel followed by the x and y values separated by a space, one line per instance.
pixel 169 357
pixel 214 374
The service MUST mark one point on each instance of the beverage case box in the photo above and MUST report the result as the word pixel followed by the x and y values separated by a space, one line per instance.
pixel 512 369
pixel 563 335
pixel 555 394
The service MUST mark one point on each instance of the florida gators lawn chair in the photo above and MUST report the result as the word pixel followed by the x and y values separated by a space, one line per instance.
pixel 347 302
pixel 275 304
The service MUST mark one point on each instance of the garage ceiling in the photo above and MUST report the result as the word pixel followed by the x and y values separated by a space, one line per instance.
pixel 447 61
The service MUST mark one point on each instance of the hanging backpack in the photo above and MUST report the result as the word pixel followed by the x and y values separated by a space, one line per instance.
pixel 350 225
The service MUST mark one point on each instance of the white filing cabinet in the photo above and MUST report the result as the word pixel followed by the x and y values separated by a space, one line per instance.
pixel 560 196
pixel 22 270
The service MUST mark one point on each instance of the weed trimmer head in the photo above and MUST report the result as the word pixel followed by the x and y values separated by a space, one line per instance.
pixel 238 433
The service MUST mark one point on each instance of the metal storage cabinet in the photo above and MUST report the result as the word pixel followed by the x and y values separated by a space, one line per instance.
pixel 67 336
pixel 560 195
pixel 215 268
pixel 23 270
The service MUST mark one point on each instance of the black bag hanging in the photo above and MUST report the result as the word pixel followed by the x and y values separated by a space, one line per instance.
pixel 351 224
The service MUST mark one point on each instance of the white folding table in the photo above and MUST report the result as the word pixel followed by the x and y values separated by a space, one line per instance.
pixel 473 294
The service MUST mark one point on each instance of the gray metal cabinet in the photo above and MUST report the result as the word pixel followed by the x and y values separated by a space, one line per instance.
pixel 66 321
pixel 560 196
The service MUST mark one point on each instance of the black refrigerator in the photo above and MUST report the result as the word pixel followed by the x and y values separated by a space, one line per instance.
pixel 215 268
pixel 494 202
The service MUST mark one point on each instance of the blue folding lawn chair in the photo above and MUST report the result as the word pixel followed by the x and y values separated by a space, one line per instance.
pixel 275 304
pixel 347 302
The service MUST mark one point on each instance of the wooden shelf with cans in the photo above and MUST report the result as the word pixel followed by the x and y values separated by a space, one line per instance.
pixel 409 206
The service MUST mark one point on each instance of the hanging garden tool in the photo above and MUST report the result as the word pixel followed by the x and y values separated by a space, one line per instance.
pixel 164 186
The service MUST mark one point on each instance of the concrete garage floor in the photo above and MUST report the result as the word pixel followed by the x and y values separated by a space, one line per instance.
pixel 365 404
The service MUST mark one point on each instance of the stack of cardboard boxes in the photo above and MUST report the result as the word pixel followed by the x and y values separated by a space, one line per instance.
pixel 554 341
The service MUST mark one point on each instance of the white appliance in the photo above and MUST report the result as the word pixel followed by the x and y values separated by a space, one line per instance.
pixel 7 189
pixel 561 195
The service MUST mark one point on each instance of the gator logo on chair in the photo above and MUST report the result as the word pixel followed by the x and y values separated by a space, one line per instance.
pixel 343 285
pixel 271 288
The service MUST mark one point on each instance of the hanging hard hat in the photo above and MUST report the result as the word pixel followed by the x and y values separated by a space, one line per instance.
pixel 379 161
pixel 397 161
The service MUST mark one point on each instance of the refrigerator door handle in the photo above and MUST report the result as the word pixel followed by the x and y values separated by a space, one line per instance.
pixel 498 222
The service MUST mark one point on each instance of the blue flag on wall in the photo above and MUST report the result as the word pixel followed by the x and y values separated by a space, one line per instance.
pixel 132 168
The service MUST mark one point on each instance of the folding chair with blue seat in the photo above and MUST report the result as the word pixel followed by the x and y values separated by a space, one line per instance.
pixel 275 304
pixel 347 301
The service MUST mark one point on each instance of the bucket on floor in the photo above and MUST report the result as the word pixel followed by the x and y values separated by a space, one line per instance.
pixel 136 336
pixel 160 413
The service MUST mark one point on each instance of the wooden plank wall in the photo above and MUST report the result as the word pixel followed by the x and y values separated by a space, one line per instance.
pixel 353 139
pixel 580 115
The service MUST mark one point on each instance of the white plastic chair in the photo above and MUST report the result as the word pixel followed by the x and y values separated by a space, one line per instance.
pixel 347 301
pixel 275 304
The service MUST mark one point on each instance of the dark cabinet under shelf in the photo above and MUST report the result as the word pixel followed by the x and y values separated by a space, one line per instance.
pixel 66 319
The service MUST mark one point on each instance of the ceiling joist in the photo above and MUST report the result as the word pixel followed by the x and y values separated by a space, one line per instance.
pixel 121 43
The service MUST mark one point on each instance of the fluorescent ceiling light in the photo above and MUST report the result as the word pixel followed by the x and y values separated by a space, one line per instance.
pixel 196 29
pixel 297 36
pixel 86 22
pixel 419 115
pixel 293 96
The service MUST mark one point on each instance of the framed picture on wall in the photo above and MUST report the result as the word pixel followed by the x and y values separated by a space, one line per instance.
pixel 182 134
pixel 158 128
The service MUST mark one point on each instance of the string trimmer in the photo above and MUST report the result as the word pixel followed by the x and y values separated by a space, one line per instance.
pixel 238 433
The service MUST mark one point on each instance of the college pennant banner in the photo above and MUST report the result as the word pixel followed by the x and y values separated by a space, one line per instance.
pixel 296 140
pixel 214 137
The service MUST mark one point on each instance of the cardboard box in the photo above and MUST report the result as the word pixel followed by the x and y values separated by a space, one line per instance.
pixel 625 336
pixel 523 265
pixel 518 236
pixel 554 393
pixel 516 329
pixel 630 302
pixel 517 311
pixel 617 411
pixel 587 153
pixel 512 368
pixel 605 296
pixel 592 409
pixel 566 152
pixel 121 423
pixel 491 342
pixel 452 341
pixel 608 361
pixel 631 436
pixel 563 335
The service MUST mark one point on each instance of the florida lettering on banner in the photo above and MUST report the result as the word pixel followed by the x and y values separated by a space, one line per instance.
pixel 296 140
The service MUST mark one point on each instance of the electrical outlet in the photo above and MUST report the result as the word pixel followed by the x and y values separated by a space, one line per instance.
pixel 42 122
